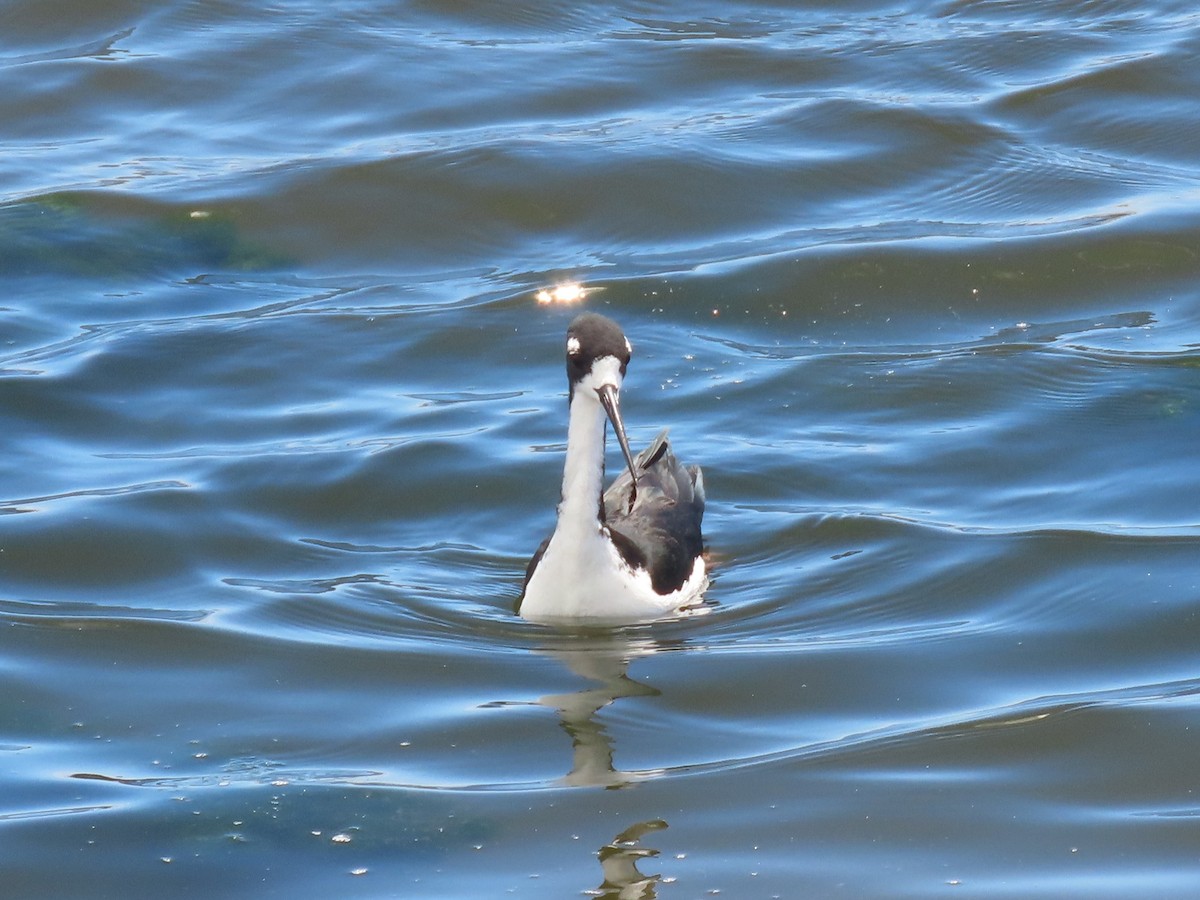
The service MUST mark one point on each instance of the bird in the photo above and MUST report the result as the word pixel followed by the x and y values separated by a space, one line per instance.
pixel 635 552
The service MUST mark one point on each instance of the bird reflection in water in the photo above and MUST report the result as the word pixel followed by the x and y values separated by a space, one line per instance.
pixel 603 658
pixel 619 861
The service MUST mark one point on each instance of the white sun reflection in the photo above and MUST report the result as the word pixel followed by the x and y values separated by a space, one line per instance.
pixel 565 293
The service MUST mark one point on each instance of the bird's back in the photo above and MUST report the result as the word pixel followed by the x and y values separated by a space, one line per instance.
pixel 660 531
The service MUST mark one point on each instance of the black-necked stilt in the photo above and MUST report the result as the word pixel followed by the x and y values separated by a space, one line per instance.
pixel 630 553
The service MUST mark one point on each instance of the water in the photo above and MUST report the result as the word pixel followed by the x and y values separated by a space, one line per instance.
pixel 282 422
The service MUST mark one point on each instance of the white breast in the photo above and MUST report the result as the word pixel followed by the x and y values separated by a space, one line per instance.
pixel 582 576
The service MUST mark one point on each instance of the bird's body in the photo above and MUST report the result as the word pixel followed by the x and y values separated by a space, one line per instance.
pixel 631 553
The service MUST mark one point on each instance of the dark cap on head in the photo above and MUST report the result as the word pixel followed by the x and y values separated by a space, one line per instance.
pixel 590 337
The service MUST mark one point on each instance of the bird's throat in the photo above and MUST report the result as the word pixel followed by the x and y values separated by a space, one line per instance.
pixel 583 470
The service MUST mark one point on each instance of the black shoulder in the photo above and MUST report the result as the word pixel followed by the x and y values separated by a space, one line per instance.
pixel 533 564
pixel 629 550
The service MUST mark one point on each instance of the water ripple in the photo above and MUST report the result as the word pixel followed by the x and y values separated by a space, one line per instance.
pixel 283 423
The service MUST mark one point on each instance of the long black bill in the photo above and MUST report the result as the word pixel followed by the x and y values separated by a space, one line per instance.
pixel 609 399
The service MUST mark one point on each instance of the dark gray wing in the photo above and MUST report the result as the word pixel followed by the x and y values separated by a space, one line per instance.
pixel 661 531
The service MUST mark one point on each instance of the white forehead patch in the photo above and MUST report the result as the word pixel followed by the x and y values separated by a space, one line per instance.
pixel 606 370
pixel 572 345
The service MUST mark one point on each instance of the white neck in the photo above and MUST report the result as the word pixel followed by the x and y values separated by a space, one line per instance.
pixel 583 470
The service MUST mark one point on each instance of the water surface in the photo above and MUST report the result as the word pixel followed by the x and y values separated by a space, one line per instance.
pixel 282 422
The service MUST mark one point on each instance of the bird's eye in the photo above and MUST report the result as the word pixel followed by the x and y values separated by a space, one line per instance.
pixel 573 346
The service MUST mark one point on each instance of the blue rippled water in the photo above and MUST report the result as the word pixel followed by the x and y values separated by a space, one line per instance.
pixel 917 284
